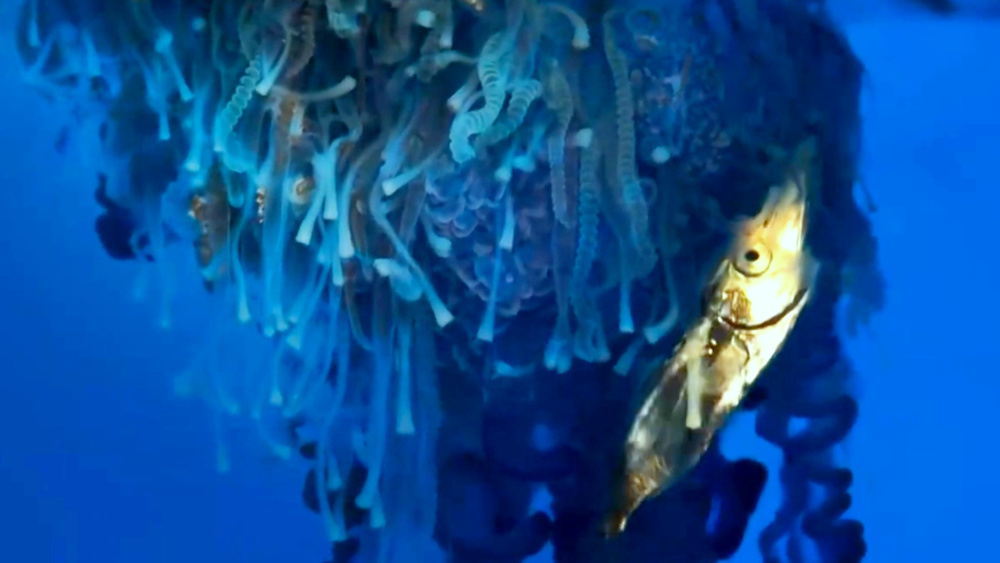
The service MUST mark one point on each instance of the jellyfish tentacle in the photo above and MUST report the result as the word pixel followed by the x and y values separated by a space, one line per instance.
pixel 233 110
pixel 626 170
pixel 523 94
pixel 163 39
pixel 404 397
pixel 815 488
pixel 590 343
pixel 492 69
pixel 377 432
pixel 487 326
pixel 581 33
pixel 303 47
pixel 656 331
pixel 558 351
pixel 559 100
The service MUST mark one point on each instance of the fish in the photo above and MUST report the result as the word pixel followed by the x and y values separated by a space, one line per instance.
pixel 750 305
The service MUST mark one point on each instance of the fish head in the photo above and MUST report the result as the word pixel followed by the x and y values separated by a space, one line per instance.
pixel 768 271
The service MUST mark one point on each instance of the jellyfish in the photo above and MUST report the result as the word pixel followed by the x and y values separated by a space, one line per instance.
pixel 446 241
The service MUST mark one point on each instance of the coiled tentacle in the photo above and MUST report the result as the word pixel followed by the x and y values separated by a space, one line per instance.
pixel 815 489
pixel 522 95
pixel 237 104
pixel 493 78
pixel 589 342
pixel 625 164
pixel 559 100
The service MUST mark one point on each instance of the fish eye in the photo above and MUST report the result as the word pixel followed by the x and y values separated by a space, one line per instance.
pixel 754 260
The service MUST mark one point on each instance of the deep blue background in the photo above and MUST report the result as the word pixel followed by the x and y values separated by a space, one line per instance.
pixel 99 463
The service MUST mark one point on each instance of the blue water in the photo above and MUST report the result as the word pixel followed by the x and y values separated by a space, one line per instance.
pixel 99 463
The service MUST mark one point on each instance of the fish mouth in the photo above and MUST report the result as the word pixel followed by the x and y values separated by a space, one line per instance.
pixel 793 305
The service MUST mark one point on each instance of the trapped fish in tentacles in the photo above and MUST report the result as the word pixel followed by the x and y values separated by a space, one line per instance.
pixel 751 305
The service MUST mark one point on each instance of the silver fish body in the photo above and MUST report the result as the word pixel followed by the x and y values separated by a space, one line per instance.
pixel 752 304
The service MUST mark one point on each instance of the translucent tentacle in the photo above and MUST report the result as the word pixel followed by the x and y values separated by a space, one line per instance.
pixel 493 77
pixel 271 74
pixel 523 94
pixel 626 361
pixel 559 350
pixel 344 87
pixel 815 489
pixel 237 104
pixel 404 407
pixel 559 100
pixel 589 342
pixel 626 167
pixel 656 331
pixel 377 433
pixel 581 34
pixel 303 47
pixel 486 328
pixel 377 209
pixel 324 201
pixel 163 39
pixel 328 478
